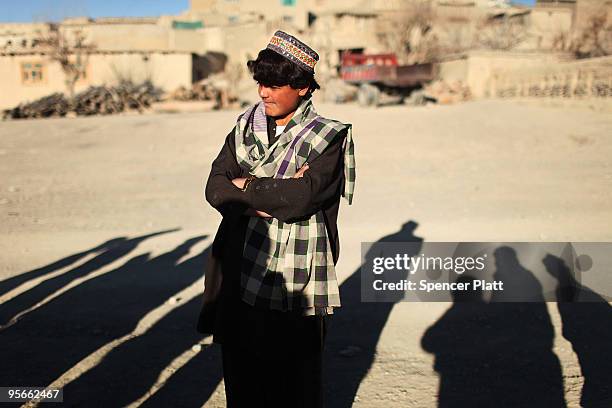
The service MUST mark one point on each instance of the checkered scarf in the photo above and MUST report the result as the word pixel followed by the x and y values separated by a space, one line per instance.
pixel 289 266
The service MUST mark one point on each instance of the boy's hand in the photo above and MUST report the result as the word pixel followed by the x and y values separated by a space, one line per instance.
pixel 239 182
pixel 301 171
pixel 251 212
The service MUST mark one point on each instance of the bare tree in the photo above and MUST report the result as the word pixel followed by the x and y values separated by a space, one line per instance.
pixel 500 33
pixel 561 41
pixel 595 40
pixel 408 34
pixel 72 54
pixel 455 37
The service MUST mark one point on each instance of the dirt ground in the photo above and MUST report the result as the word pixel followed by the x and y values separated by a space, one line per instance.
pixel 104 228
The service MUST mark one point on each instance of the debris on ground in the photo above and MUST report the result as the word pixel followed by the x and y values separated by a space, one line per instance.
pixel 447 93
pixel 214 88
pixel 337 90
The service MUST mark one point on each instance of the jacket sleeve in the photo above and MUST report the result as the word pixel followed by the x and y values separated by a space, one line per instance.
pixel 290 200
pixel 220 192
pixel 220 239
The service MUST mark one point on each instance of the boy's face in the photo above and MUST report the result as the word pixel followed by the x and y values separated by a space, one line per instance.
pixel 280 100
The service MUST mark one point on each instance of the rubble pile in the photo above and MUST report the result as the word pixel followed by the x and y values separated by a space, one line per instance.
pixel 446 93
pixel 215 88
pixel 338 91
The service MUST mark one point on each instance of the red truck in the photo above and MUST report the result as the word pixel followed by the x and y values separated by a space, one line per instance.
pixel 382 80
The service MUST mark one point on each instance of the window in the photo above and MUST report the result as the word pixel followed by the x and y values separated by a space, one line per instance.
pixel 32 72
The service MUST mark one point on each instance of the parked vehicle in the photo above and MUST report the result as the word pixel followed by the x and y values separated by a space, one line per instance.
pixel 382 81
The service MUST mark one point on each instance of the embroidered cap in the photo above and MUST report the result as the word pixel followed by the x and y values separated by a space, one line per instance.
pixel 294 50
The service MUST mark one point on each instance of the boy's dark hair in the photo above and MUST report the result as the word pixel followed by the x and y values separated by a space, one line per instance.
pixel 272 69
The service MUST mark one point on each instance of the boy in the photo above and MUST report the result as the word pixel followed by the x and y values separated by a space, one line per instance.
pixel 277 182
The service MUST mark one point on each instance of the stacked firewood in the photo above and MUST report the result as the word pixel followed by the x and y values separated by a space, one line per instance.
pixel 48 106
pixel 204 90
pixel 101 100
pixel 96 100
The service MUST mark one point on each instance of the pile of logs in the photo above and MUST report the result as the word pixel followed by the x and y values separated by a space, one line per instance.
pixel 97 100
pixel 101 100
pixel 52 105
pixel 216 87
pixel 199 91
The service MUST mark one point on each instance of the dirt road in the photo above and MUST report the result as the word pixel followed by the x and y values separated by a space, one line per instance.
pixel 103 228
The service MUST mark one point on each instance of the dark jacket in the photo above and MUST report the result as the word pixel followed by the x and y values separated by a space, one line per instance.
pixel 288 200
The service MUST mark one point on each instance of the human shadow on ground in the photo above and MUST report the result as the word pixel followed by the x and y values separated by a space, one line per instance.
pixel 355 329
pixel 11 283
pixel 52 339
pixel 497 354
pixel 587 324
pixel 112 250
pixel 130 370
